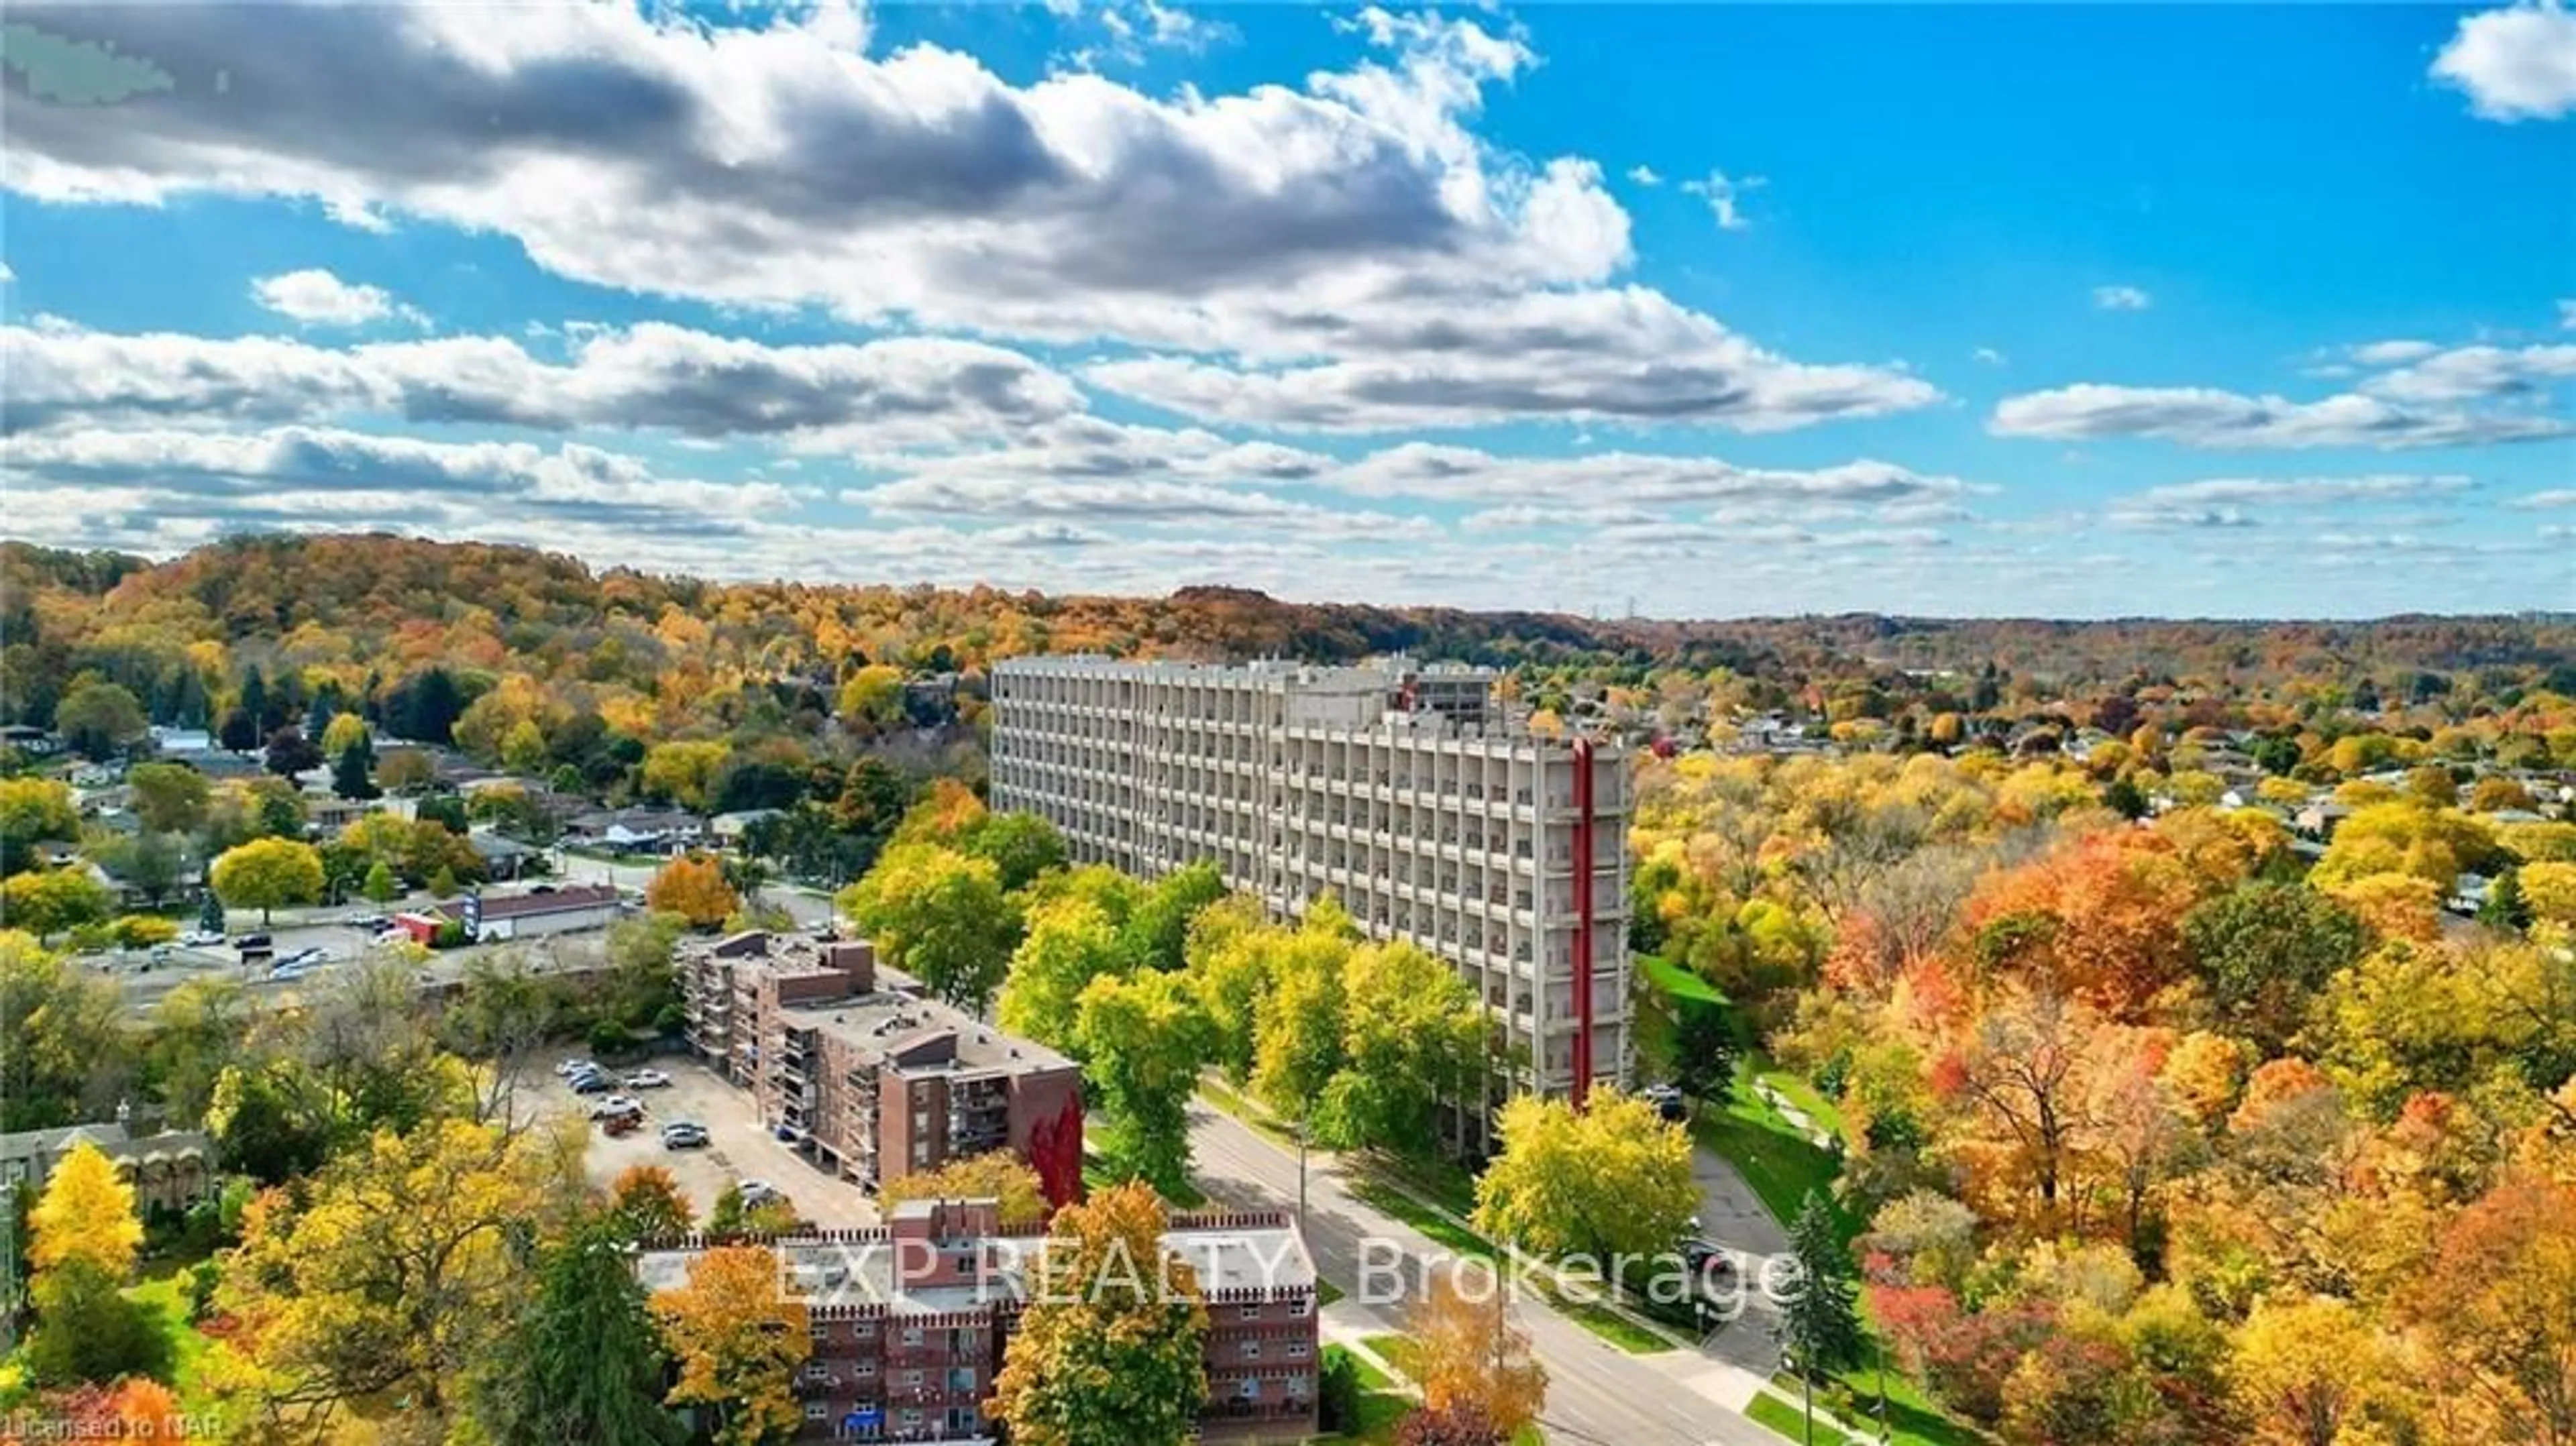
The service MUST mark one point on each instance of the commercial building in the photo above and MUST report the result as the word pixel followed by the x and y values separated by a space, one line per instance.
pixel 1401 790
pixel 910 1322
pixel 545 909
pixel 869 1076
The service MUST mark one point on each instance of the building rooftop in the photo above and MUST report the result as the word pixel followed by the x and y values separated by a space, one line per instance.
pixel 560 899
pixel 1258 1253
pixel 898 1025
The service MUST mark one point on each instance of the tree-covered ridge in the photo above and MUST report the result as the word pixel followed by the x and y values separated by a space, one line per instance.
pixel 370 610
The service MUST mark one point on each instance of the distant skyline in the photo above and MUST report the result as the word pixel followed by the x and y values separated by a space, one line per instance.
pixel 1706 311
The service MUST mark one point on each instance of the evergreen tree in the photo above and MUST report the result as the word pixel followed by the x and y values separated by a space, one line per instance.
pixel 349 773
pixel 1819 1325
pixel 1704 1051
pixel 252 703
pixel 582 1362
pixel 210 912
pixel 2505 906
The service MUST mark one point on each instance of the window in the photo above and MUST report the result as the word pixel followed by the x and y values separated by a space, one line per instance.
pixel 912 1335
pixel 1251 1312
pixel 817 1410
pixel 1252 1349
pixel 1301 1305
pixel 910 1378
pixel 1249 1388
pixel 1297 1350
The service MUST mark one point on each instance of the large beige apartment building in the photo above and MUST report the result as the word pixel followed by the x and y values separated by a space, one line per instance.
pixel 1401 790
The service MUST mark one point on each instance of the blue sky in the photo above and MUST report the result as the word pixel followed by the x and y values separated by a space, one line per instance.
pixel 1701 310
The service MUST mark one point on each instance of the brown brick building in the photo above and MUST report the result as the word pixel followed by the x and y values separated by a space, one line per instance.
pixel 873 1078
pixel 910 1321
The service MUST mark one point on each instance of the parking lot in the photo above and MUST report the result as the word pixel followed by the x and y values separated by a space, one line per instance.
pixel 739 1150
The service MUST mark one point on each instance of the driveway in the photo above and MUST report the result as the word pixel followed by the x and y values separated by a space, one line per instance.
pixel 740 1148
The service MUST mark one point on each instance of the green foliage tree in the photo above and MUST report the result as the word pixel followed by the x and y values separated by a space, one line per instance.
pixel 1157 931
pixel 1111 1352
pixel 167 797
pixel 88 1331
pixel 349 772
pixel 2263 949
pixel 581 1362
pixel 1704 1049
pixel 381 887
pixel 1143 1040
pixel 1413 1034
pixel 99 719
pixel 267 873
pixel 1069 943
pixel 1819 1323
pixel 1021 846
pixel 940 916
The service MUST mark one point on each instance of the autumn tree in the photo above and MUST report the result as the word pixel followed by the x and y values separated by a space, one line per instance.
pixel 645 1203
pixel 1110 1352
pixel 83 1237
pixel 694 888
pixel 2502 1320
pixel 681 771
pixel 580 1363
pixel 392 1281
pixel 2314 1372
pixel 940 916
pixel 738 1339
pixel 32 811
pixel 86 1214
pixel 53 900
pixel 996 1175
pixel 1610 1180
pixel 1470 1356
pixel 267 873
pixel 2018 1077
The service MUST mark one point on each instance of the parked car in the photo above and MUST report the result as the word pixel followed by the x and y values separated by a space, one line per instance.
pixel 1667 1100
pixel 759 1192
pixel 648 1079
pixel 570 1067
pixel 684 1135
pixel 615 1105
pixel 621 1124
pixel 254 943
pixel 304 958
pixel 289 971
pixel 202 939
pixel 591 1084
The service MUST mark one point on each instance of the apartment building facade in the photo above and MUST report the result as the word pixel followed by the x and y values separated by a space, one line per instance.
pixel 867 1075
pixel 910 1322
pixel 1401 790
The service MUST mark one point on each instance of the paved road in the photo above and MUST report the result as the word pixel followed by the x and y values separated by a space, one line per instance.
pixel 1597 1394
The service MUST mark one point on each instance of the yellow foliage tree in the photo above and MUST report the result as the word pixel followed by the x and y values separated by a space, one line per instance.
pixel 2315 1372
pixel 738 1339
pixel 996 1175
pixel 86 1214
pixel 694 888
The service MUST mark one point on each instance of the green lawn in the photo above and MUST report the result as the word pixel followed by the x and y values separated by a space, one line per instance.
pixel 1676 982
pixel 1396 1351
pixel 1099 1173
pixel 1326 1292
pixel 1371 1378
pixel 1799 1091
pixel 1790 1420
pixel 1912 1418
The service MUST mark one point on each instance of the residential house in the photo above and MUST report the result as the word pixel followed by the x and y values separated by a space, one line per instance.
pixel 171 1170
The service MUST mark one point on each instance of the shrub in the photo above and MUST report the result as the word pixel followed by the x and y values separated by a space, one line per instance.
pixel 1337 1392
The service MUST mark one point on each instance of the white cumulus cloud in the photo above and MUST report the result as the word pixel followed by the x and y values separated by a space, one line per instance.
pixel 2517 63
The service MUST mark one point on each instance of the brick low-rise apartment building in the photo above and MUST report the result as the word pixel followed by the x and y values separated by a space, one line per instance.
pixel 873 1078
pixel 910 1321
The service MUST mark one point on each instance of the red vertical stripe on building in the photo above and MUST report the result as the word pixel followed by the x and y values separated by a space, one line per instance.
pixel 1583 920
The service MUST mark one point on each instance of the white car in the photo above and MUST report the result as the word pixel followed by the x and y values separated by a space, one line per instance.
pixel 759 1192
pixel 615 1105
pixel 648 1079
pixel 201 939
pixel 304 958
pixel 567 1068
